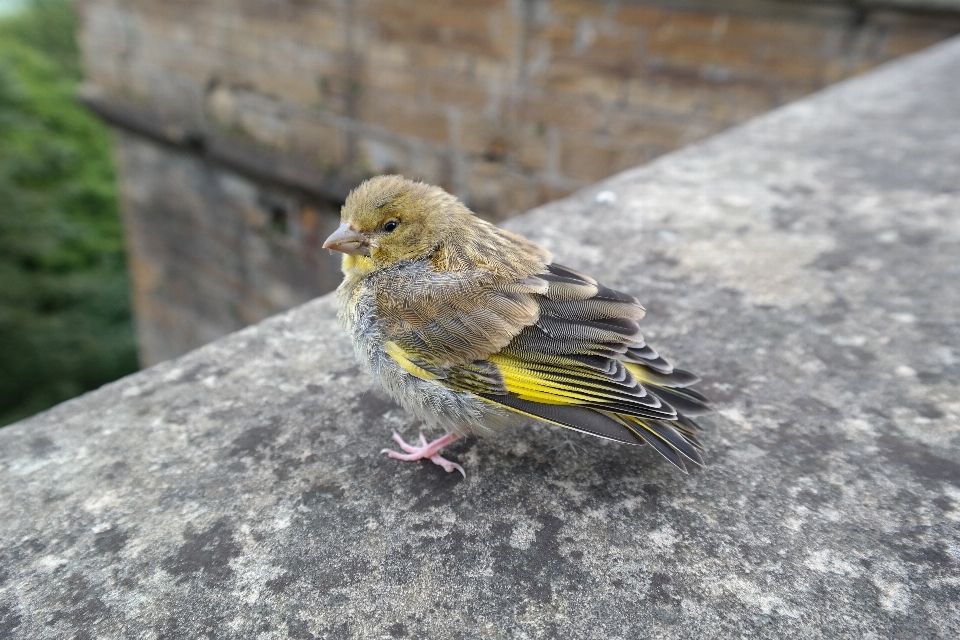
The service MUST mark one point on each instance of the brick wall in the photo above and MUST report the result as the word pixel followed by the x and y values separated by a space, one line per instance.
pixel 507 103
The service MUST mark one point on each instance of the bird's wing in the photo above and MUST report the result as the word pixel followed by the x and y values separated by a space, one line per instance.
pixel 453 318
pixel 580 362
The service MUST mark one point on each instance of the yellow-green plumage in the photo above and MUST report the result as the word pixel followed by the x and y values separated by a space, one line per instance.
pixel 475 329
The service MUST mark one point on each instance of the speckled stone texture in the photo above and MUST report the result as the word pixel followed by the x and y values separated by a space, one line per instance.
pixel 806 264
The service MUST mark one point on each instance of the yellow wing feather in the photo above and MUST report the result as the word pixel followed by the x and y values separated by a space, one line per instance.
pixel 532 382
pixel 403 358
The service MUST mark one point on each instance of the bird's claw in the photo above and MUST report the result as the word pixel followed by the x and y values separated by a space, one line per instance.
pixel 409 448
pixel 447 465
pixel 427 450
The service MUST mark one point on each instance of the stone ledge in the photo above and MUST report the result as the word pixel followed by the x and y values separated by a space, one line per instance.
pixel 805 263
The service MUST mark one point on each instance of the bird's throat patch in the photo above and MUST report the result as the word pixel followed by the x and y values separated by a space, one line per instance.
pixel 356 265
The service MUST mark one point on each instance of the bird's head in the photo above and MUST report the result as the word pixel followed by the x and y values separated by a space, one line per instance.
pixel 389 219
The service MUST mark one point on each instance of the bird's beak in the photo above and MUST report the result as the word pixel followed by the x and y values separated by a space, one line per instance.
pixel 348 240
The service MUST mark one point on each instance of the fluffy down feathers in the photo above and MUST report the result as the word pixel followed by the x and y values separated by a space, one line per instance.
pixel 474 329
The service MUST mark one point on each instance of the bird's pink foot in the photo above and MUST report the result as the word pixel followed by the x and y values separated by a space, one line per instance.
pixel 430 450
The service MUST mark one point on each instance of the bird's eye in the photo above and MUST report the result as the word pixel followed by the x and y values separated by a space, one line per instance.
pixel 391 225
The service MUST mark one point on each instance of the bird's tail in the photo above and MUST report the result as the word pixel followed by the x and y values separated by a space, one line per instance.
pixel 671 438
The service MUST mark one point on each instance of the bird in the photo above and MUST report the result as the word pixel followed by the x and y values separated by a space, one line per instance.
pixel 474 329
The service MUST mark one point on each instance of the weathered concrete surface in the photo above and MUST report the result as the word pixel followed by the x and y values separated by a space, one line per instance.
pixel 805 263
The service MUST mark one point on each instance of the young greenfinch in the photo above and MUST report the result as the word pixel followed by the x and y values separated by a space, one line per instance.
pixel 474 329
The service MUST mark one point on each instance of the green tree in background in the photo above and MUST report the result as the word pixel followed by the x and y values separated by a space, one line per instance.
pixel 65 323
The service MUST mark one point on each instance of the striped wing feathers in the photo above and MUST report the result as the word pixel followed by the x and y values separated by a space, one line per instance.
pixel 580 363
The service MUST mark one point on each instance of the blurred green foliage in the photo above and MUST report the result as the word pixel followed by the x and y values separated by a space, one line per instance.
pixel 65 324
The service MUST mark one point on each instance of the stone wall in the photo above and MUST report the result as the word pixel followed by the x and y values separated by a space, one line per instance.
pixel 508 104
